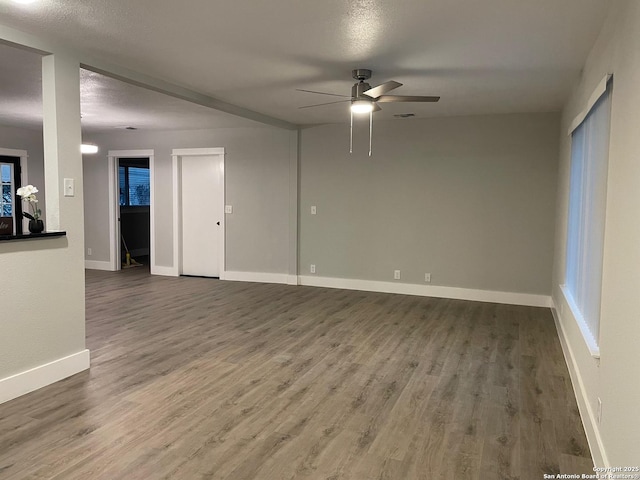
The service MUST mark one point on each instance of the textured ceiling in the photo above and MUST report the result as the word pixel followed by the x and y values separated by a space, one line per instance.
pixel 490 56
pixel 106 103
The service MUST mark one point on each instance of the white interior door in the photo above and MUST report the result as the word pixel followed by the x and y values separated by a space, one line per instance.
pixel 202 191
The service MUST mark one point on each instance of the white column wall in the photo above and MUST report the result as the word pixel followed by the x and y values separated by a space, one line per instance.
pixel 42 327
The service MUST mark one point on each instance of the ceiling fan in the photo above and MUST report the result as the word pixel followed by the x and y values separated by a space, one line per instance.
pixel 365 99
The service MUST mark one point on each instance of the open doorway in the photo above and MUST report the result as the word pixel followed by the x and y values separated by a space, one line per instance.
pixel 131 209
pixel 135 218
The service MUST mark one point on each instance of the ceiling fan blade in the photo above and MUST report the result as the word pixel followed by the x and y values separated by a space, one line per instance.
pixel 328 103
pixel 375 92
pixel 322 93
pixel 407 98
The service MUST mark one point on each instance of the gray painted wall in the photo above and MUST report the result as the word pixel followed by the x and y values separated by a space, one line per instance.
pixel 611 377
pixel 468 199
pixel 96 206
pixel 257 186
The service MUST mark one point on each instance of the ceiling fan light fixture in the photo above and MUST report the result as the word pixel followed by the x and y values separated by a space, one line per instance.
pixel 361 106
pixel 365 99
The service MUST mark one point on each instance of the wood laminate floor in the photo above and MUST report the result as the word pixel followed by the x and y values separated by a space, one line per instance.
pixel 194 378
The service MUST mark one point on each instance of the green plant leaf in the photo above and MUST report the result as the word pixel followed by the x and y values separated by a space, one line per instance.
pixel 28 215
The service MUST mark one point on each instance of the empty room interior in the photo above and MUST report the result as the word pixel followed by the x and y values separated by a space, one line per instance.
pixel 355 239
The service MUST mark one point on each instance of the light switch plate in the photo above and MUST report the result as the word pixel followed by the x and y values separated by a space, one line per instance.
pixel 69 189
pixel 314 210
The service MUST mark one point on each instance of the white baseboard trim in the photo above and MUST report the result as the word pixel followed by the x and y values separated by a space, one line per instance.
pixel 43 375
pixel 589 421
pixel 98 265
pixel 429 291
pixel 165 271
pixel 259 277
pixel 292 280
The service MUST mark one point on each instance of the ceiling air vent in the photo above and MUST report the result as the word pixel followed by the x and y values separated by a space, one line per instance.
pixel 404 115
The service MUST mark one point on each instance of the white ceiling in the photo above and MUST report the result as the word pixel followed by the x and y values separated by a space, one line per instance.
pixel 490 56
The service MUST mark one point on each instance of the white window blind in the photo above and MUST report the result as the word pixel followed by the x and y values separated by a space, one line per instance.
pixel 585 226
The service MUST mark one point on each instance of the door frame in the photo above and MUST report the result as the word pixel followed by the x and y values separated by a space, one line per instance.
pixel 176 164
pixel 115 245
pixel 24 177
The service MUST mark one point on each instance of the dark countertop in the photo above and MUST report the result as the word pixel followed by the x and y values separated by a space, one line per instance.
pixel 28 236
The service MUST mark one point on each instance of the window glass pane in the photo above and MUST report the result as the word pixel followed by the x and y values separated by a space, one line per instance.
pixel 139 189
pixel 122 185
pixel 7 210
pixel 5 173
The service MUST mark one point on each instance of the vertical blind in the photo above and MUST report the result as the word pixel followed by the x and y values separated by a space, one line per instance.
pixel 135 187
pixel 587 204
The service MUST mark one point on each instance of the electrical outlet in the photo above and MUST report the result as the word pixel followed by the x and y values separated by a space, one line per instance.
pixel 427 277
pixel 313 268
pixel 89 252
pixel 314 210
pixel 396 274
pixel 599 411
pixel 228 209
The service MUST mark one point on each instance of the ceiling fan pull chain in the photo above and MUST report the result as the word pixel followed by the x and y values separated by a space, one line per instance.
pixel 370 129
pixel 351 135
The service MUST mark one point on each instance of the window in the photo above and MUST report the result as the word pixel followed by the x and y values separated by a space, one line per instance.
pixel 6 203
pixel 10 207
pixel 135 189
pixel 585 226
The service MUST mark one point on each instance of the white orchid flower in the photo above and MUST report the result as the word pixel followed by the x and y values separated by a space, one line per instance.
pixel 28 194
pixel 27 191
